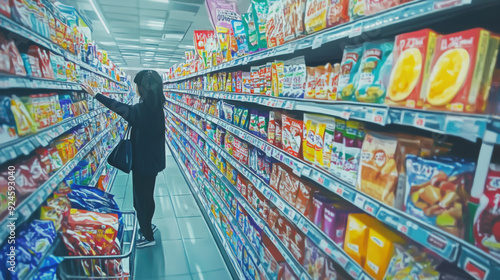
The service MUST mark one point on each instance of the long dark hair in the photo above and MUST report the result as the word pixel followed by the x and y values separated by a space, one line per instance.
pixel 150 88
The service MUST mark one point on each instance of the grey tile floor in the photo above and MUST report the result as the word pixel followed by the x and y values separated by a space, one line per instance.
pixel 185 248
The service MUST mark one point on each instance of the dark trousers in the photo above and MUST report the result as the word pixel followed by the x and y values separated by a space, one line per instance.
pixel 144 202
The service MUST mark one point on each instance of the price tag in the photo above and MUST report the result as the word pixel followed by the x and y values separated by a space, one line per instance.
pixel 356 29
pixel 339 191
pixel 368 208
pixel 290 105
pixel 346 115
pixel 402 228
pixel 342 260
pixel 318 41
pixel 10 152
pixel 419 121
pixel 360 201
pixel 291 48
pixel 378 119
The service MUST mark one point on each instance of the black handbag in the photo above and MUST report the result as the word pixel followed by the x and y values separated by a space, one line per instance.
pixel 121 156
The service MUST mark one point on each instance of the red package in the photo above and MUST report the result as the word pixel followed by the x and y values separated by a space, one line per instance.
pixel 16 61
pixel 106 225
pixel 376 6
pixel 337 12
pixel 5 194
pixel 292 136
pixel 250 190
pixel 5 62
pixel 275 177
pixel 487 220
pixel 296 245
pixel 25 182
pixel 286 273
pixel 304 198
pixel 5 8
pixel 279 229
pixel 44 157
pixel 43 61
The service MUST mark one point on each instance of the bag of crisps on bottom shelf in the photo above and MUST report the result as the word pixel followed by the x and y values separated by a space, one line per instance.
pixel 409 260
pixel 437 191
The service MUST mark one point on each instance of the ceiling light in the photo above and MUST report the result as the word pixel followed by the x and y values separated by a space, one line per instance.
pixel 164 50
pixel 127 39
pixel 186 47
pixel 99 15
pixel 108 43
pixel 177 36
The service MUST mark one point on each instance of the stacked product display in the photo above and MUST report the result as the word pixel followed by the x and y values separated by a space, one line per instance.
pixel 376 162
pixel 55 210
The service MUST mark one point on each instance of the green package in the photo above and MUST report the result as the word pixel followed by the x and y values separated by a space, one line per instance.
pixel 244 119
pixel 260 10
pixel 237 116
pixel 251 32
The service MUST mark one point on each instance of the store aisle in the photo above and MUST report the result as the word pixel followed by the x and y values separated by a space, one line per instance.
pixel 185 248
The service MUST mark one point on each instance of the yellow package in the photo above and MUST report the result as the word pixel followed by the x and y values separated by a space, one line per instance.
pixel 315 18
pixel 62 149
pixel 48 213
pixel 309 147
pixel 24 122
pixel 380 249
pixel 318 144
pixel 280 68
pixel 356 237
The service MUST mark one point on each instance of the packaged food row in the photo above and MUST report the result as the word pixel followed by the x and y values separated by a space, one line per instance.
pixel 411 173
pixel 24 115
pixel 63 26
pixel 421 69
pixel 382 253
pixel 267 24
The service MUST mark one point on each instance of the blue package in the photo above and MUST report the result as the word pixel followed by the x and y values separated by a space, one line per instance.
pixel 48 269
pixel 241 37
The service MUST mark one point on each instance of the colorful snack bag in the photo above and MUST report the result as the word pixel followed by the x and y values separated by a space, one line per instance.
pixel 311 86
pixel 324 159
pixel 322 81
pixel 338 12
pixel 375 64
pixel 274 120
pixel 246 82
pixel 489 68
pixel 244 120
pixel 378 175
pixel 357 9
pixel 292 135
pixel 260 10
pixel 335 221
pixel 289 11
pixel 263 124
pixel 299 78
pixel 457 70
pixel 486 227
pixel 332 81
pixel 411 68
pixel 374 6
pixel 251 32
pixel 288 72
pixel 309 138
pixel 255 77
pixel 348 68
pixel 254 122
pixel 315 19
pixel 274 25
pixel 337 151
pixel 24 122
pixel 241 37
pixel 351 153
pixel 7 121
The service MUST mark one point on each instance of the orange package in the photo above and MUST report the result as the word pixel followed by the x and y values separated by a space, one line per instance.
pixel 413 58
pixel 356 236
pixel 321 81
pixel 380 249
pixel 457 70
pixel 378 174
pixel 311 83
pixel 338 12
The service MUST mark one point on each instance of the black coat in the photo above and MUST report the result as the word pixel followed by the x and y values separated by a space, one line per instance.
pixel 147 136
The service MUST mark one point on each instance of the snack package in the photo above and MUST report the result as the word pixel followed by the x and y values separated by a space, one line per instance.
pixel 289 10
pixel 373 75
pixel 315 260
pixel 292 135
pixel 332 81
pixel 260 10
pixel 241 37
pixel 357 9
pixel 351 153
pixel 374 6
pixel 274 121
pixel 337 13
pixel 378 174
pixel 356 237
pixel 315 17
pixel 274 26
pixel 7 121
pixel 251 32
pixel 337 149
pixel 311 86
pixel 351 61
pixel 319 143
pixel 246 82
pixel 486 229
pixel 380 249
pixel 299 78
pixel 335 221
pixel 489 67
pixel 324 159
pixel 413 54
pixel 409 260
pixel 304 197
pixel 438 191
pixel 321 81
pixel 457 70
pixel 263 123
pixel 309 138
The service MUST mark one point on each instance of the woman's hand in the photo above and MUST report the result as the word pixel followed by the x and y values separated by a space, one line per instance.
pixel 88 89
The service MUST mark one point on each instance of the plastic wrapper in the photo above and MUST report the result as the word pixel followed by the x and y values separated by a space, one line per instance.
pixel 88 198
pixel 7 121
pixel 315 17
pixel 338 12
pixel 314 261
pixel 351 60
pixel 274 27
pixel 292 135
pixel 251 32
pixel 260 10
pixel 24 122
pixel 241 37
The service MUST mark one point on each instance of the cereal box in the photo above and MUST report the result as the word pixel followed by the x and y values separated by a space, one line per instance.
pixel 315 19
pixel 411 68
pixel 457 70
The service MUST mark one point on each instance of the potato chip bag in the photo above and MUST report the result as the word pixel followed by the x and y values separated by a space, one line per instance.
pixel 332 81
pixel 289 10
pixel 311 86
pixel 378 174
pixel 338 12
pixel 321 82
pixel 24 122
pixel 372 77
pixel 292 135
pixel 315 18
pixel 357 9
pixel 348 68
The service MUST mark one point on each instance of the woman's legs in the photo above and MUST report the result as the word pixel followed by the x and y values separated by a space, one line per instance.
pixel 144 202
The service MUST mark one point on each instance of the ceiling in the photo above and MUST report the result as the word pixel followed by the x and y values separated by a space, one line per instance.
pixel 137 28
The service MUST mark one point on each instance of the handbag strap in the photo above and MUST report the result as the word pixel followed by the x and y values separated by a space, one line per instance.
pixel 126 136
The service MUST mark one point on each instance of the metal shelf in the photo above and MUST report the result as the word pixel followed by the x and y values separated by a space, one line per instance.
pixel 443 244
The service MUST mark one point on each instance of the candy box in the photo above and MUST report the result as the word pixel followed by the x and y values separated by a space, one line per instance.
pixel 338 12
pixel 413 54
pixel 315 17
pixel 378 174
pixel 380 249
pixel 437 191
pixel 457 70
pixel 409 260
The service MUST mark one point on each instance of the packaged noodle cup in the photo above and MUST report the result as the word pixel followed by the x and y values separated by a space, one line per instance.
pixel 457 70
pixel 380 249
pixel 489 67
pixel 411 68
pixel 378 174
pixel 315 19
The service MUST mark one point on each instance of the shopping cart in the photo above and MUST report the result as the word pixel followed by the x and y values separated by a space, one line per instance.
pixel 72 268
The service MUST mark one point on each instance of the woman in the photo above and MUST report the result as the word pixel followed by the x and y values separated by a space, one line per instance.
pixel 147 119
